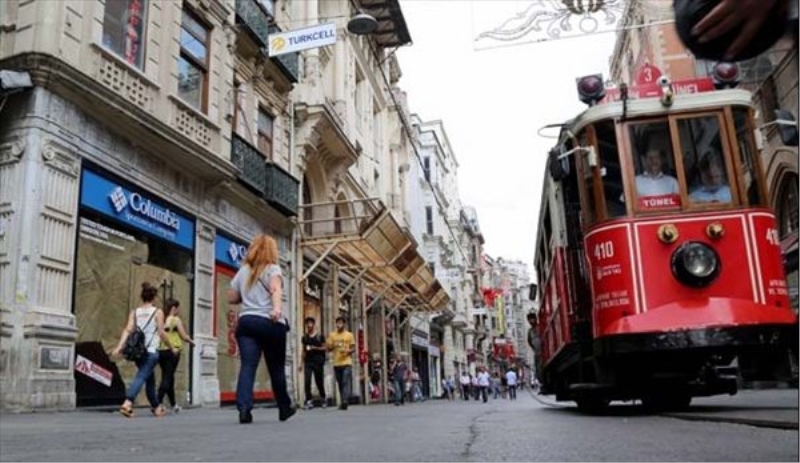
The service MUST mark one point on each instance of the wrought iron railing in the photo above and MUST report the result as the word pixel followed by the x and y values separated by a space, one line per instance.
pixel 265 178
pixel 255 20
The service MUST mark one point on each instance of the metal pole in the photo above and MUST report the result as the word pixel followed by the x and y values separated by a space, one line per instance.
pixel 319 260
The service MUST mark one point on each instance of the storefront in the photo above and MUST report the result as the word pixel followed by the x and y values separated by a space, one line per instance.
pixel 126 237
pixel 419 359
pixel 228 255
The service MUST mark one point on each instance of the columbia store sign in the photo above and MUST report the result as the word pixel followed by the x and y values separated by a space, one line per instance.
pixel 229 251
pixel 136 209
pixel 320 35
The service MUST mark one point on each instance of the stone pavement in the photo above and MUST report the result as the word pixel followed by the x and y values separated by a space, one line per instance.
pixel 772 408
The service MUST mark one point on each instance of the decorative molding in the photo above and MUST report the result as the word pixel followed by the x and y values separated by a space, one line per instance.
pixel 61 158
pixel 11 152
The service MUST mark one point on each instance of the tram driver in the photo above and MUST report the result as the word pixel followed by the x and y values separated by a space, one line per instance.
pixel 657 189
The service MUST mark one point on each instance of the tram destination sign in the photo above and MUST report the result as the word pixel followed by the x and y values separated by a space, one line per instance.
pixel 704 84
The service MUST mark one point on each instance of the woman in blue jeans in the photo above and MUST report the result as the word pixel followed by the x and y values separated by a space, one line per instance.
pixel 262 327
pixel 150 320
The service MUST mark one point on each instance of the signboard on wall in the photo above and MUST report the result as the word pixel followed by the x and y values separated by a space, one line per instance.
pixel 281 43
pixel 229 251
pixel 136 209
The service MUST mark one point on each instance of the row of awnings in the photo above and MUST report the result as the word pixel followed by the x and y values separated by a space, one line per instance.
pixel 377 252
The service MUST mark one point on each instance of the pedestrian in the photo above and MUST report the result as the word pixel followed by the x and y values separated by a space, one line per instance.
pixel 313 362
pixel 150 320
pixel 511 380
pixel 495 385
pixel 416 386
pixel 535 343
pixel 262 326
pixel 474 387
pixel 465 382
pixel 483 383
pixel 399 375
pixel 168 357
pixel 342 344
pixel 451 388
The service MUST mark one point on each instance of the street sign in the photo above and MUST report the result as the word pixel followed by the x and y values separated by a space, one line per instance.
pixel 93 370
pixel 281 43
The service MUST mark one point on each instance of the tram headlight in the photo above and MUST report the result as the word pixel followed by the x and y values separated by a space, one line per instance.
pixel 695 264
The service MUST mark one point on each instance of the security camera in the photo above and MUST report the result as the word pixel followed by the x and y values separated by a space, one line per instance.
pixel 663 81
pixel 14 81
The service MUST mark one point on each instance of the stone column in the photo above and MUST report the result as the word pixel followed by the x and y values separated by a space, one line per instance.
pixel 450 353
pixel 205 380
pixel 39 187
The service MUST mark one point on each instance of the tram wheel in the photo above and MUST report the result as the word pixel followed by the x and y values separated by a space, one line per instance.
pixel 592 405
pixel 666 402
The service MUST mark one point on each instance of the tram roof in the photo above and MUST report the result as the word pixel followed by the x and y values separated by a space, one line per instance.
pixel 644 107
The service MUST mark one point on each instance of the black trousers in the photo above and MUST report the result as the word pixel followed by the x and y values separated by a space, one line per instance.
pixel 316 369
pixel 168 361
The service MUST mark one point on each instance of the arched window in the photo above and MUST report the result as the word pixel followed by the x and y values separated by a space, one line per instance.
pixel 787 205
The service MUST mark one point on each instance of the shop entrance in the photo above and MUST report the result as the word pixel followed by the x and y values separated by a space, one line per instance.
pixel 112 263
pixel 227 316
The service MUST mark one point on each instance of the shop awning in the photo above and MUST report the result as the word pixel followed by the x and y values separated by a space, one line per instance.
pixel 368 244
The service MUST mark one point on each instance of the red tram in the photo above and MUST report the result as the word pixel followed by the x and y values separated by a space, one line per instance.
pixel 658 261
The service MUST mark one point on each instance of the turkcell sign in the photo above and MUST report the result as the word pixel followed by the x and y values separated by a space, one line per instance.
pixel 136 209
pixel 229 251
pixel 320 35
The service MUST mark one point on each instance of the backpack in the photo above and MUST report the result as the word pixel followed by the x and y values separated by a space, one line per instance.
pixel 135 347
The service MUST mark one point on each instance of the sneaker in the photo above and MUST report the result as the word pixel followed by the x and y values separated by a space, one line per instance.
pixel 176 409
pixel 308 405
pixel 343 407
pixel 245 417
pixel 324 403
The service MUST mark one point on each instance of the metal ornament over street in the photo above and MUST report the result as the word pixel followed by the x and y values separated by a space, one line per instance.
pixel 281 43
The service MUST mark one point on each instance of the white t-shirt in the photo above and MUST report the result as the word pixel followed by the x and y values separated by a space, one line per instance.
pixel 256 300
pixel 656 185
pixel 483 379
pixel 149 328
pixel 511 378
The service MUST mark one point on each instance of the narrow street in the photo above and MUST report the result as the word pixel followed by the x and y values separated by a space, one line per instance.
pixel 526 430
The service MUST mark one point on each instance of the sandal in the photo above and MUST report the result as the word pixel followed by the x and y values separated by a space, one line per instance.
pixel 127 412
pixel 159 411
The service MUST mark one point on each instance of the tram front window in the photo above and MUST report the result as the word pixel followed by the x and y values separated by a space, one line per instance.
pixel 657 188
pixel 705 167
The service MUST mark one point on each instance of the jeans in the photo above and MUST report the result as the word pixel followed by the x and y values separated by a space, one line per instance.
pixel 259 336
pixel 485 393
pixel 343 375
pixel 316 369
pixel 168 361
pixel 512 392
pixel 145 376
pixel 399 391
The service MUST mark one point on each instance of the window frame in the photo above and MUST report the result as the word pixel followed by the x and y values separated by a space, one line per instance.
pixel 188 56
pixel 142 40
pixel 429 220
pixel 270 136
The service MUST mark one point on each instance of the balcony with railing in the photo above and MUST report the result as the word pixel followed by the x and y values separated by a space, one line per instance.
pixel 265 178
pixel 258 23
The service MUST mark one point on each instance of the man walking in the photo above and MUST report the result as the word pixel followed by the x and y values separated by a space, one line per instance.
pixel 342 344
pixel 313 361
pixel 483 383
pixel 511 380
pixel 399 376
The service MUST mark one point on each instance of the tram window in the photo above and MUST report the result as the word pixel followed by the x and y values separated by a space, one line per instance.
pixel 588 181
pixel 704 163
pixel 655 183
pixel 744 137
pixel 610 169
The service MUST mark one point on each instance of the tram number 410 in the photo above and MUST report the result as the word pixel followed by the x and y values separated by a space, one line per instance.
pixel 772 237
pixel 604 250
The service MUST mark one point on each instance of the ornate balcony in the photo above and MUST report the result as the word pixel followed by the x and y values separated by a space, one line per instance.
pixel 255 21
pixel 265 178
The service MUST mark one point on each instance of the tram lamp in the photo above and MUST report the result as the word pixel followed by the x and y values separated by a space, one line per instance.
pixel 591 89
pixel 695 264
pixel 725 75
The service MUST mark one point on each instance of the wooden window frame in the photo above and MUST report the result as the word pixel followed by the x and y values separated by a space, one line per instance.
pixel 185 54
pixel 259 133
pixel 758 168
pixel 143 39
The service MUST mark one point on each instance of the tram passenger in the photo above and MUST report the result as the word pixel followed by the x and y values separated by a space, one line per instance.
pixel 713 187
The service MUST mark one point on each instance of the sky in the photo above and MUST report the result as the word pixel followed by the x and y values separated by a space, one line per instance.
pixel 492 103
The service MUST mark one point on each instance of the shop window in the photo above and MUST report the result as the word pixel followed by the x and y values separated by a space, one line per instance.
pixel 705 165
pixel 788 206
pixel 265 130
pixel 655 184
pixel 124 27
pixel 744 138
pixel 193 61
